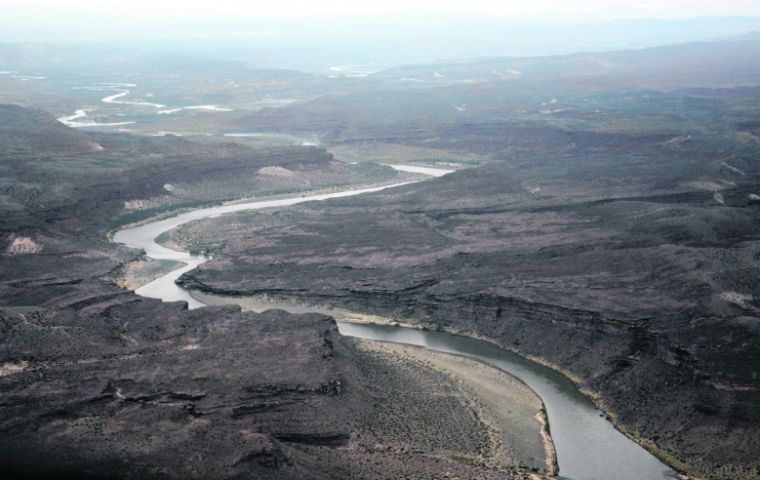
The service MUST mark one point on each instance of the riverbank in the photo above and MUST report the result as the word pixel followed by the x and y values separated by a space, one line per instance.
pixel 513 413
pixel 450 406
pixel 510 414
pixel 170 211
pixel 627 295
pixel 519 433
pixel 269 396
pixel 261 302
pixel 603 451
pixel 511 420
pixel 142 271
pixel 395 330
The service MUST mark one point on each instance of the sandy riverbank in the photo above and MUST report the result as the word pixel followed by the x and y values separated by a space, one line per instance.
pixel 511 412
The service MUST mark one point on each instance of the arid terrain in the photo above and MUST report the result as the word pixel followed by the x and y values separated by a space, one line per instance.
pixel 623 254
pixel 109 384
pixel 603 219
pixel 271 395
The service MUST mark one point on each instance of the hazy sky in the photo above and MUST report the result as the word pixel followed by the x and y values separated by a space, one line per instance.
pixel 30 10
pixel 304 33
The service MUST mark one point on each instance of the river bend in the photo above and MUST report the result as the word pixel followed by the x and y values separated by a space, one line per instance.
pixel 588 446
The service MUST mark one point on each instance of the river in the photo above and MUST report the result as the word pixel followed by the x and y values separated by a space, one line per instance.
pixel 588 446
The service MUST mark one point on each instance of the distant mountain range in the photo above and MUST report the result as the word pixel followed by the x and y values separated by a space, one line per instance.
pixel 374 42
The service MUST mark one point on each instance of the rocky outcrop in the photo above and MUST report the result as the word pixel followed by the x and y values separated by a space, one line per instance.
pixel 96 382
pixel 165 392
pixel 132 388
pixel 628 296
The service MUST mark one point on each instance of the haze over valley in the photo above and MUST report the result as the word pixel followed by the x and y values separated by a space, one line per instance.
pixel 402 240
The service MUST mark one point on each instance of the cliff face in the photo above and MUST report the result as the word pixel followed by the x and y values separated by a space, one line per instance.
pixel 142 390
pixel 121 387
pixel 96 382
pixel 647 301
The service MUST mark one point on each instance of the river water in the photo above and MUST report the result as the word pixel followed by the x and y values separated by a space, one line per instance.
pixel 588 446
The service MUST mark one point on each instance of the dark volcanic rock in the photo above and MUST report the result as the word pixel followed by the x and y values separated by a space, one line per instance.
pixel 96 382
pixel 58 181
pixel 164 392
pixel 649 302
pixel 140 389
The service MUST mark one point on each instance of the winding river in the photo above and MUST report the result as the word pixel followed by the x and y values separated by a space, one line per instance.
pixel 588 446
